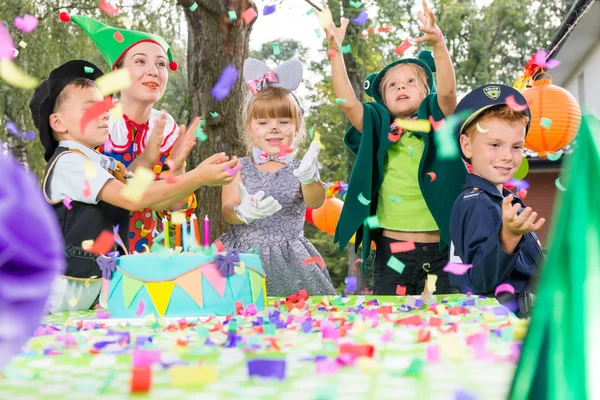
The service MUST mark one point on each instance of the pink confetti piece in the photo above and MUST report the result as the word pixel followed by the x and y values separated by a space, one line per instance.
pixel 67 203
pixel 513 105
pixel 436 124
pixel 433 354
pixel 141 308
pixel 504 287
pixel 400 290
pixel 26 23
pixel 107 146
pixel 107 8
pixel 457 268
pixel 101 314
pixel 95 111
pixel 249 15
pixel 432 175
pixel 387 336
pixel 356 262
pixel 540 60
pixel 233 171
pixel 316 260
pixel 402 247
pixel 403 47
pixel 7 46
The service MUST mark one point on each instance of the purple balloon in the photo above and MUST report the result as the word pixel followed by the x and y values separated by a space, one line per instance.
pixel 31 255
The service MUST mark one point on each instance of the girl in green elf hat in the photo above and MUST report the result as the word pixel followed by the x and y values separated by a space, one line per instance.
pixel 398 175
pixel 142 136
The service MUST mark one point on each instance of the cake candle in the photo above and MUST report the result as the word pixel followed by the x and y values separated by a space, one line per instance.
pixel 206 232
pixel 178 235
pixel 194 231
pixel 185 236
pixel 166 231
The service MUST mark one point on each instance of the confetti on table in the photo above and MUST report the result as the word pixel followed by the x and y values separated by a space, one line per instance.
pixel 141 379
pixel 480 129
pixel 559 185
pixel 540 60
pixel 432 175
pixel 95 111
pixel 225 83
pixel 402 247
pixel 346 49
pixel 192 375
pixel 457 268
pixel 114 82
pixel 463 395
pixel 402 47
pixel 351 284
pixel 136 186
pixel 394 199
pixel 249 15
pixel 193 7
pixel 417 125
pixel 361 18
pixel 11 74
pixel 26 23
pixel 276 49
pixel 232 15
pixel 504 287
pixel 400 290
pixel 355 4
pixel 554 156
pixel 415 367
pixel 104 243
pixel 118 37
pixel 140 309
pixel 513 105
pixel 106 8
pixel 372 222
pixel 331 53
pixel 268 9
pixel 363 200
pixel 396 264
pixel 316 260
pixel 546 122
pixel 67 203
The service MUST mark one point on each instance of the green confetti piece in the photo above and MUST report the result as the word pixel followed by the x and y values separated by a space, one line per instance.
pixel 311 133
pixel 395 199
pixel 559 185
pixel 396 264
pixel 546 122
pixel 202 123
pixel 372 222
pixel 276 50
pixel 340 101
pixel 363 200
pixel 410 152
pixel 523 170
pixel 318 32
pixel 200 134
pixel 88 70
pixel 193 7
pixel 346 49
pixel 355 4
pixel 415 367
pixel 232 15
pixel 269 329
pixel 214 114
pixel 555 156
pixel 311 11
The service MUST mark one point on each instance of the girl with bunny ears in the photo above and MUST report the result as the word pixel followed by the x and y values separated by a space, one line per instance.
pixel 266 203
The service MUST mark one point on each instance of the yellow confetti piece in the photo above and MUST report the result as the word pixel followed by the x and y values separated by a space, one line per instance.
pixel 116 111
pixel 114 81
pixel 441 310
pixel 11 74
pixel 73 301
pixel 87 244
pixel 178 218
pixel 191 376
pixel 22 44
pixel 136 186
pixel 90 170
pixel 325 18
pixel 418 125
pixel 15 52
pixel 450 348
pixel 317 140
pixel 431 280
pixel 368 365
pixel 240 269
pixel 359 327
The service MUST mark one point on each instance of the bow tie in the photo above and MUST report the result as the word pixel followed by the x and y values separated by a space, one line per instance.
pixel 261 157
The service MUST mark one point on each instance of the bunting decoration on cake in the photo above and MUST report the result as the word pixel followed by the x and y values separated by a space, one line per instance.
pixel 256 284
pixel 131 287
pixel 160 293
pixel 212 274
pixel 191 283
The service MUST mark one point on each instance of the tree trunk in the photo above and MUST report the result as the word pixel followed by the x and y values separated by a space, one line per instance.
pixel 213 43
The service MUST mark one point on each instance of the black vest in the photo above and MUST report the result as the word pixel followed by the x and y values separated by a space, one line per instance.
pixel 83 222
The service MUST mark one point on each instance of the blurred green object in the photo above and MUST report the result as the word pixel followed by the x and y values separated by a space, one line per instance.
pixel 559 355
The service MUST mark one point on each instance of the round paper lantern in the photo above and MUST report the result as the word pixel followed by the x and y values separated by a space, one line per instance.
pixel 555 116
pixel 327 216
pixel 309 215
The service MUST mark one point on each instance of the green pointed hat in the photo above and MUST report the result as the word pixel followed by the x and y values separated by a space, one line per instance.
pixel 113 43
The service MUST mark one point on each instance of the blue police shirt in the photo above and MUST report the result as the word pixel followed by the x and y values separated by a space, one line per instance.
pixel 475 226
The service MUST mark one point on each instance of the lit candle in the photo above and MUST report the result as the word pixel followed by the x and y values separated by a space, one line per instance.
pixel 166 231
pixel 206 231
pixel 194 232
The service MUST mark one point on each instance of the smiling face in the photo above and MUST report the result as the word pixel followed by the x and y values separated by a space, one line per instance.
pixel 274 119
pixel 403 88
pixel 70 107
pixel 147 64
pixel 495 147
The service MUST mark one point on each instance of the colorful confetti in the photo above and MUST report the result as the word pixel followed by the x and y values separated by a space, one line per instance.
pixel 225 82
pixel 12 75
pixel 268 9
pixel 554 156
pixel 232 15
pixel 417 125
pixel 193 7
pixel 108 9
pixel 546 122
pixel 276 49
pixel 457 268
pixel 513 105
pixel 249 15
pixel 399 50
pixel 432 175
pixel 402 247
pixel 396 264
pixel 361 19
pixel 363 200
pixel 504 287
pixel 27 23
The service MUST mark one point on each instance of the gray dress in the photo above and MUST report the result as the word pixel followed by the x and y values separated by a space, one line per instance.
pixel 280 238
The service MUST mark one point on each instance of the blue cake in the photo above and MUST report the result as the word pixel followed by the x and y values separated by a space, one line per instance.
pixel 184 284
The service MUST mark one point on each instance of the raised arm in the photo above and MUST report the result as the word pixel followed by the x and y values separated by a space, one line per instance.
pixel 445 77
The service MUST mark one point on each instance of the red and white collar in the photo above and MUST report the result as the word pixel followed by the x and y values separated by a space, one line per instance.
pixel 120 133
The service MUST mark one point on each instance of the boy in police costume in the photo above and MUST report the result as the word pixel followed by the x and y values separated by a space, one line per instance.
pixel 490 227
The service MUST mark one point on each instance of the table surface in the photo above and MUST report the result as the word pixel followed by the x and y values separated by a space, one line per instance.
pixel 75 355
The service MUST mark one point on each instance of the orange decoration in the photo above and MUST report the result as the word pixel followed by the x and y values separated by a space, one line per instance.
pixel 550 102
pixel 327 216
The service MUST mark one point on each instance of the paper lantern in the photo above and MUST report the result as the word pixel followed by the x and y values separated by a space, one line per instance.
pixel 327 216
pixel 555 116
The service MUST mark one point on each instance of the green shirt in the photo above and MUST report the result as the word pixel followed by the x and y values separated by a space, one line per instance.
pixel 401 205
pixel 367 174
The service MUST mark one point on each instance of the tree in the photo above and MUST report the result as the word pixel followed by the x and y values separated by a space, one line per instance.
pixel 215 41
pixel 287 49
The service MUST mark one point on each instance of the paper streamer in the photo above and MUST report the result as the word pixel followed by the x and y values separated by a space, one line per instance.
pixel 12 75
pixel 457 268
pixel 417 125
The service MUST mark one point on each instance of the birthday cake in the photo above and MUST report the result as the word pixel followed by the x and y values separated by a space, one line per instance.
pixel 184 284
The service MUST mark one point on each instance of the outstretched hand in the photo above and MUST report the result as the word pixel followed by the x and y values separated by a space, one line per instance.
pixel 522 223
pixel 432 34
pixel 254 206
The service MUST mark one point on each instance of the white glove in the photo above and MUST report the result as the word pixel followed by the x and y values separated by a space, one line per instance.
pixel 308 171
pixel 253 207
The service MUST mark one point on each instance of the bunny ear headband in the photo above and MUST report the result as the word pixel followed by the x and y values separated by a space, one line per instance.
pixel 258 75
